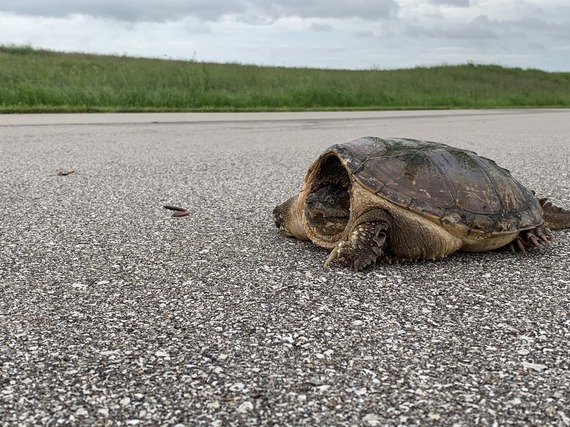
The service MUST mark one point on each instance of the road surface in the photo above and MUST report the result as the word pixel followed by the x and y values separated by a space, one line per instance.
pixel 114 313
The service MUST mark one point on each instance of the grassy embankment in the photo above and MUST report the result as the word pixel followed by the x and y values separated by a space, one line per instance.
pixel 34 80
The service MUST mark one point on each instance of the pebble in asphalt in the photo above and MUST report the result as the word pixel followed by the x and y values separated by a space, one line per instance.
pixel 114 313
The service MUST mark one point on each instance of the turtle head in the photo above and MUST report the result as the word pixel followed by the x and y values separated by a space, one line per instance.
pixel 321 212
pixel 328 208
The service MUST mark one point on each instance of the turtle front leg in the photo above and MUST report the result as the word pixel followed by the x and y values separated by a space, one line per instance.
pixel 363 246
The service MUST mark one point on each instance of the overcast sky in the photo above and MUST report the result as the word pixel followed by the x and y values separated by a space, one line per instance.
pixel 354 34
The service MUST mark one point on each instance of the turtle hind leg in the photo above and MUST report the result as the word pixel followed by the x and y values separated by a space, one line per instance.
pixel 363 247
pixel 554 216
pixel 538 238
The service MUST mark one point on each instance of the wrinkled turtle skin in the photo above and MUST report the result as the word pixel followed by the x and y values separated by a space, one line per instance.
pixel 405 200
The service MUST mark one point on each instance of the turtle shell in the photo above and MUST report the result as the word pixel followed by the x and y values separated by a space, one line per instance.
pixel 456 187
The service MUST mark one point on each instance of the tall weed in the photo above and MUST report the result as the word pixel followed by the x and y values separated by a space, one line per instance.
pixel 39 80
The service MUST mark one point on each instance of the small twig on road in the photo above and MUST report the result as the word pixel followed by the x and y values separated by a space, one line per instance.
pixel 180 212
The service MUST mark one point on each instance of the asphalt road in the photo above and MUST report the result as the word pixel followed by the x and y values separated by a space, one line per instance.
pixel 114 313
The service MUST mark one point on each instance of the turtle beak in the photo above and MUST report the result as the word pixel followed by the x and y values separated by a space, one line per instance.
pixel 288 218
pixel 279 220
pixel 277 216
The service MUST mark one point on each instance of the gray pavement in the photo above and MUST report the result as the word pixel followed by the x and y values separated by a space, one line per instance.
pixel 114 313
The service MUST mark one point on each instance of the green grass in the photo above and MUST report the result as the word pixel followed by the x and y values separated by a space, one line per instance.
pixel 33 80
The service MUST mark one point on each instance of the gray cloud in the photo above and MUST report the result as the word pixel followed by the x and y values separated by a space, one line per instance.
pixel 323 28
pixel 459 3
pixel 481 28
pixel 558 30
pixel 211 10
pixel 536 46
pixel 364 34
pixel 364 9
pixel 126 10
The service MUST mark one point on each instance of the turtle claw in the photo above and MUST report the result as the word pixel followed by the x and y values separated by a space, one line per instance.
pixel 362 248
pixel 333 255
pixel 538 237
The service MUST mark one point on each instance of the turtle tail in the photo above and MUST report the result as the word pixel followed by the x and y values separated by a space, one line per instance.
pixel 555 217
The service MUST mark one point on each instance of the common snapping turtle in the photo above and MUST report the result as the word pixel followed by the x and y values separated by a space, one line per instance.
pixel 404 200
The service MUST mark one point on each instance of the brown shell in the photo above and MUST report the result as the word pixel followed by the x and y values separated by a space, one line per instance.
pixel 456 186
